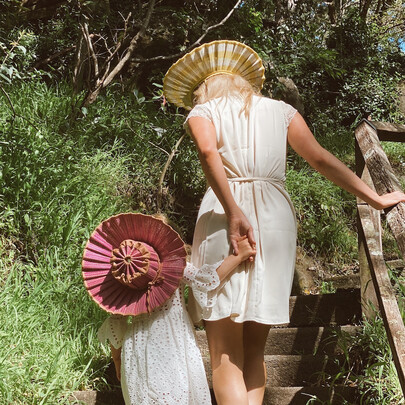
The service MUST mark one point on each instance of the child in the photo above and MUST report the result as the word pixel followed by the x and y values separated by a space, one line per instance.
pixel 155 354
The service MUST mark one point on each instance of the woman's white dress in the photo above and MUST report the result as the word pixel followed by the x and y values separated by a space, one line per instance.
pixel 253 152
pixel 161 363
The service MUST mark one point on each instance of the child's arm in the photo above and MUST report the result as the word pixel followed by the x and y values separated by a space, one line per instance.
pixel 206 281
pixel 113 329
pixel 246 251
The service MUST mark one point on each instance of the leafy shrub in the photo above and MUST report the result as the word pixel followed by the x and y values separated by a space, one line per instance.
pixel 369 362
pixel 323 225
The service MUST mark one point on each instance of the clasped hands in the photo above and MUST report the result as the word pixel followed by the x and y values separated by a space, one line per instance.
pixel 241 236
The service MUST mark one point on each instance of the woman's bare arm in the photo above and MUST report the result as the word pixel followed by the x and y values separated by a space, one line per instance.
pixel 204 136
pixel 304 143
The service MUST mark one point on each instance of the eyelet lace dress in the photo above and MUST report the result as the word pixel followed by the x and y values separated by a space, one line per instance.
pixel 161 363
pixel 253 152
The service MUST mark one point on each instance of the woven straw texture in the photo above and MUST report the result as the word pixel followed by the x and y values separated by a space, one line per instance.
pixel 229 57
pixel 132 264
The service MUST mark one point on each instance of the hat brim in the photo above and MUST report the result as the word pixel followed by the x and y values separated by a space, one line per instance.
pixel 227 57
pixel 110 294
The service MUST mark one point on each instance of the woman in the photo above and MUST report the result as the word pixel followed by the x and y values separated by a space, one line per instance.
pixel 241 139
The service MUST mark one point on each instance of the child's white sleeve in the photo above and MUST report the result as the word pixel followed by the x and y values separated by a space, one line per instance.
pixel 113 329
pixel 204 282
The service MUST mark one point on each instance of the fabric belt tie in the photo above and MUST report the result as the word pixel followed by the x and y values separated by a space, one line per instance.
pixel 253 179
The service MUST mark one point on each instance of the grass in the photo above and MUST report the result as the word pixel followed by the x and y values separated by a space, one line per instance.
pixel 54 191
pixel 325 216
pixel 370 367
pixel 48 327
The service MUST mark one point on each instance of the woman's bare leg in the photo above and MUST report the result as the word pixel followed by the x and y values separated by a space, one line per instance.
pixel 254 369
pixel 225 341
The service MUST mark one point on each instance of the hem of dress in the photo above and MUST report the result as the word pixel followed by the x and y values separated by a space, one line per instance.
pixel 232 318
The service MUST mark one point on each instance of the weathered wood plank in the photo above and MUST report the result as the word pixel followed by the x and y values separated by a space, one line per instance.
pixel 369 301
pixel 387 301
pixel 380 168
pixel 383 177
pixel 389 132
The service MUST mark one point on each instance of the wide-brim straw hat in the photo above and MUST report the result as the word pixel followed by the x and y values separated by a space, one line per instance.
pixel 133 263
pixel 217 57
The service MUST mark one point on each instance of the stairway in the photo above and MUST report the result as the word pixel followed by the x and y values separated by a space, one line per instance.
pixel 297 357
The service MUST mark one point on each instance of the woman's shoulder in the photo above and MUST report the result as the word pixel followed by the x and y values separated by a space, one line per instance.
pixel 270 101
pixel 200 110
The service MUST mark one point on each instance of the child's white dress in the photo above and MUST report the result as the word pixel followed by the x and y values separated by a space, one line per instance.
pixel 161 362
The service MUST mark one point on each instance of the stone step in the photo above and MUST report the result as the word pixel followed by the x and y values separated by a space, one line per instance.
pixel 294 370
pixel 296 356
pixel 272 396
pixel 300 370
pixel 351 281
pixel 340 308
pixel 308 340
pixel 302 340
pixel 97 398
pixel 302 395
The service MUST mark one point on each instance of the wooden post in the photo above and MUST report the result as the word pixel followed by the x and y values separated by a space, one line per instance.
pixel 369 153
pixel 369 301
pixel 382 175
pixel 389 132
pixel 391 315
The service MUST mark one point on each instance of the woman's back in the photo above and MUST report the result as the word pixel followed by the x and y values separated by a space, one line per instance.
pixel 254 145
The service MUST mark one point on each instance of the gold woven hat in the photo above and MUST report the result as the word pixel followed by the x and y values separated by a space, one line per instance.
pixel 217 57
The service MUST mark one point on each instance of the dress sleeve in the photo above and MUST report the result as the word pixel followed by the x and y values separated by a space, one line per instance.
pixel 289 112
pixel 113 329
pixel 204 282
pixel 200 110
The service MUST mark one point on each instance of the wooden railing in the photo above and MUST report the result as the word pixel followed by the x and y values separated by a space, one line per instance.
pixel 373 166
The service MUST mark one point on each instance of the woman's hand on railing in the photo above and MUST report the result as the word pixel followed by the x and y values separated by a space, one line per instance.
pixel 389 199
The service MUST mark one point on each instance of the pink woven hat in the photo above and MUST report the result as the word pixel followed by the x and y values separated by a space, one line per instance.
pixel 133 263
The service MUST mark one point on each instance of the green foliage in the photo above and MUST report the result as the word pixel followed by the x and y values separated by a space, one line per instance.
pixel 44 339
pixel 327 287
pixel 323 225
pixel 396 154
pixel 49 183
pixel 368 361
pixel 377 378
pixel 17 53
pixel 58 172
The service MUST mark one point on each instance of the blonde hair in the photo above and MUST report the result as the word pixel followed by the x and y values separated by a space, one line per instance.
pixel 225 85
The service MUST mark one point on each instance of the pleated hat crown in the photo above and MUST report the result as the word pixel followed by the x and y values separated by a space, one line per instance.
pixel 217 57
pixel 133 263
